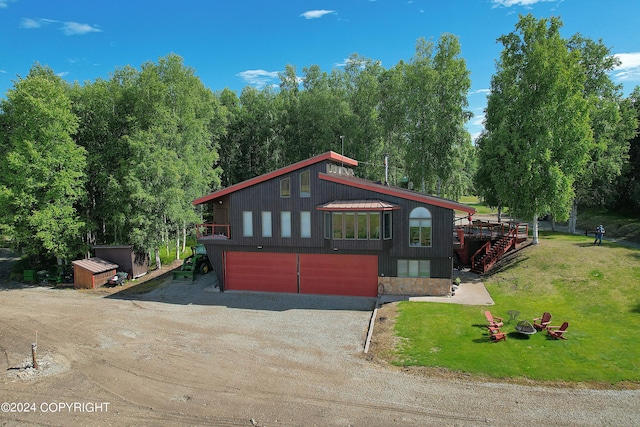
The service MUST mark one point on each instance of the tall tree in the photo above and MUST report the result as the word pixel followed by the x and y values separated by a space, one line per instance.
pixel 437 83
pixel 613 123
pixel 537 119
pixel 42 169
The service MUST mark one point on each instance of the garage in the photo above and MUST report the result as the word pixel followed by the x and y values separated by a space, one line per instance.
pixel 261 272
pixel 324 274
pixel 354 275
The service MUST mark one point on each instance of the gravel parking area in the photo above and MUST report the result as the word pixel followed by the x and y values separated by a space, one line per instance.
pixel 185 354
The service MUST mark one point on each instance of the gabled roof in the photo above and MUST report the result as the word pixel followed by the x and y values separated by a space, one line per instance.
pixel 330 155
pixel 397 192
pixel 340 179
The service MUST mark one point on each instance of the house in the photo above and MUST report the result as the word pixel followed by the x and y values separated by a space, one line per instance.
pixel 314 228
pixel 92 273
pixel 136 264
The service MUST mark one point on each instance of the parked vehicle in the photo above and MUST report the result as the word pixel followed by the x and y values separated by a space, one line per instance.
pixel 118 279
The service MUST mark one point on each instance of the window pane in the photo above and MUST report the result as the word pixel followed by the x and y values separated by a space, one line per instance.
pixel 285 224
pixel 374 225
pixel 337 225
pixel 425 236
pixel 387 225
pixel 285 187
pixel 349 225
pixel 425 268
pixel 413 268
pixel 362 226
pixel 327 225
pixel 305 224
pixel 414 236
pixel 247 224
pixel 305 184
pixel 403 268
pixel 266 224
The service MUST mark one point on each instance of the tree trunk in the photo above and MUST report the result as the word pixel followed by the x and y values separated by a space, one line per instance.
pixel 158 262
pixel 573 217
pixel 534 241
pixel 178 245
pixel 184 237
pixel 499 214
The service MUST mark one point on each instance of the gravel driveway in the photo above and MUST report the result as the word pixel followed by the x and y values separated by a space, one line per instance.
pixel 184 354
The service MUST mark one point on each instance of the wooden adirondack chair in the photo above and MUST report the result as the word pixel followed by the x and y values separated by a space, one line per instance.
pixel 494 321
pixel 557 332
pixel 497 335
pixel 541 323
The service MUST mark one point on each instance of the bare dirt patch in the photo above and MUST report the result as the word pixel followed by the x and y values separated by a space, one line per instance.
pixel 183 355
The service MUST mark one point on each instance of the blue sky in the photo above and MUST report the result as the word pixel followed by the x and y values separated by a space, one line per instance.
pixel 238 43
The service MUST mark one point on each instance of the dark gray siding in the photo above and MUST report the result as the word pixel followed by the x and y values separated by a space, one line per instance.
pixel 266 197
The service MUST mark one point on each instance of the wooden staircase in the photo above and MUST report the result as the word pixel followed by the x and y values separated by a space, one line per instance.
pixel 486 257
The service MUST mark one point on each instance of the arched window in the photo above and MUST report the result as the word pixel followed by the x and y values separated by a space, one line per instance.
pixel 420 227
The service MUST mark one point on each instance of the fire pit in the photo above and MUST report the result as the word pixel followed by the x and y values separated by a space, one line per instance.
pixel 525 327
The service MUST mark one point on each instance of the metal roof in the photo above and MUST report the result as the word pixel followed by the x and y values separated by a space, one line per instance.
pixel 358 205
pixel 95 265
pixel 329 155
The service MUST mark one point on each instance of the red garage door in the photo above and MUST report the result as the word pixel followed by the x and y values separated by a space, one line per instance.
pixel 355 275
pixel 261 271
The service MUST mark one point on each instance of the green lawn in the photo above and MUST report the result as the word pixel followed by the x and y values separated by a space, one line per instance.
pixel 596 289
pixel 480 207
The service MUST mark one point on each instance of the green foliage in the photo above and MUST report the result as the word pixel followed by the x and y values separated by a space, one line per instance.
pixel 538 133
pixel 599 299
pixel 42 169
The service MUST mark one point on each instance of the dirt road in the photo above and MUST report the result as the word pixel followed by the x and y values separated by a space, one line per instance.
pixel 187 355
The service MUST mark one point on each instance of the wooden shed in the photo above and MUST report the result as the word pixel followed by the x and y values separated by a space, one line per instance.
pixel 92 273
pixel 136 264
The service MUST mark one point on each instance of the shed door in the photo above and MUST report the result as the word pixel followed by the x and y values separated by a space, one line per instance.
pixel 261 271
pixel 354 275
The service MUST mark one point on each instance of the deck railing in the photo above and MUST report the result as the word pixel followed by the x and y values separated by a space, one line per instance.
pixel 215 231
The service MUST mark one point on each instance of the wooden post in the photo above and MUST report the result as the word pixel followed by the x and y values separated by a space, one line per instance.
pixel 34 347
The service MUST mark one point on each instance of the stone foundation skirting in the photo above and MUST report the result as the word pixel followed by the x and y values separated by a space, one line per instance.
pixel 413 286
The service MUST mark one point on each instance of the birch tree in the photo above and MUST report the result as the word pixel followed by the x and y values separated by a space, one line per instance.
pixel 537 122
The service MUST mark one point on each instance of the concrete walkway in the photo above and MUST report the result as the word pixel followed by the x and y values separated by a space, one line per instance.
pixel 470 292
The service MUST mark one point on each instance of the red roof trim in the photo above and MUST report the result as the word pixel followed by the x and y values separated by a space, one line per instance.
pixel 330 155
pixel 397 192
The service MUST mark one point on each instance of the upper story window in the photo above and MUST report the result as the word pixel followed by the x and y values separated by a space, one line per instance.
pixel 285 224
pixel 420 227
pixel 305 184
pixel 266 224
pixel 285 187
pixel 247 224
pixel 305 224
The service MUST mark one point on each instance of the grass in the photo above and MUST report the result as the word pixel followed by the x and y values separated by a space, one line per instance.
pixel 596 289
pixel 616 224
pixel 481 208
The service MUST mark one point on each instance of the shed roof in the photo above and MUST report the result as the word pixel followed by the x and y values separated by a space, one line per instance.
pixel 95 265
pixel 397 192
pixel 358 205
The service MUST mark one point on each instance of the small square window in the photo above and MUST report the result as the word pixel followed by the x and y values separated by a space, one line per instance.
pixel 285 187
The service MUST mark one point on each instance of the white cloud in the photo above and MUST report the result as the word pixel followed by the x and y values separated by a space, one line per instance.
pixel 29 23
pixel 315 14
pixel 629 68
pixel 75 28
pixel 509 3
pixel 68 28
pixel 258 78
pixel 480 91
pixel 5 3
